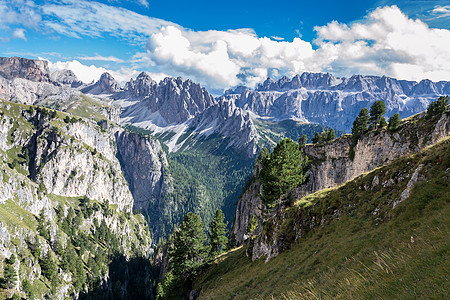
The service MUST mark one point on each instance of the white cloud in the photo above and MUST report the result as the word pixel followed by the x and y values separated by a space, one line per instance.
pixel 93 19
pixel 221 59
pixel 91 73
pixel 22 12
pixel 441 11
pixel 386 42
pixel 101 58
pixel 19 33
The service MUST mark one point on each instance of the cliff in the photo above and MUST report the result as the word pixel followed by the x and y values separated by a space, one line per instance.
pixel 375 236
pixel 331 166
pixel 64 202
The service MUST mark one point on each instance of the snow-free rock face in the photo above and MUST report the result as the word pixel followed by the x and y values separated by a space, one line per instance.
pixel 141 87
pixel 30 69
pixel 335 102
pixel 174 100
pixel 66 77
pixel 229 121
pixel 105 85
pixel 332 166
pixel 145 167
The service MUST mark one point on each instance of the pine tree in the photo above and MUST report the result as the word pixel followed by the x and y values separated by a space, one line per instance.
pixel 303 140
pixel 9 273
pixel 317 139
pixel 376 113
pixel 283 170
pixel 394 122
pixel 331 135
pixel 188 251
pixel 217 235
pixel 437 108
pixel 361 122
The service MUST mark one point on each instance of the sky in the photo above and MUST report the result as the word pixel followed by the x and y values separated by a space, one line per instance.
pixel 222 44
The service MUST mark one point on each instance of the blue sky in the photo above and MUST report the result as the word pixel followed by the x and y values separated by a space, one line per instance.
pixel 226 43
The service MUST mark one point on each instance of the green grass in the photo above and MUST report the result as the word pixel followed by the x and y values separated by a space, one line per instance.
pixel 13 215
pixel 87 107
pixel 395 253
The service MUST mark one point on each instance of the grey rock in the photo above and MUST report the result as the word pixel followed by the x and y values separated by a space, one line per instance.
pixel 30 69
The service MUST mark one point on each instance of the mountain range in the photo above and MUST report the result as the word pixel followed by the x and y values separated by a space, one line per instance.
pixel 107 153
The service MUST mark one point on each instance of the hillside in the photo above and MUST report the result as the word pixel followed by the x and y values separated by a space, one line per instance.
pixel 65 209
pixel 382 235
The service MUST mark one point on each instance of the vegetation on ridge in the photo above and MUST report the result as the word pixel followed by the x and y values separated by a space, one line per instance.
pixel 362 247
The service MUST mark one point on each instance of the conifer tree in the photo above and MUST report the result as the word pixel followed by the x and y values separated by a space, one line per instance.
pixel 217 235
pixel 394 122
pixel 377 111
pixel 188 251
pixel 437 108
pixel 283 170
pixel 317 139
pixel 9 273
pixel 303 140
pixel 360 124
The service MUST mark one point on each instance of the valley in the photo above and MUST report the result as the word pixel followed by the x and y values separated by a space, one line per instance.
pixel 97 178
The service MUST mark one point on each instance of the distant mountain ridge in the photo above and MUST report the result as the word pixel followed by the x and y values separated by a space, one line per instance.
pixel 335 102
pixel 180 109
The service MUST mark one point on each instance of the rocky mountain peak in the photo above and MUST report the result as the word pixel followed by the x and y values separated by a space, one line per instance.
pixel 66 77
pixel 30 69
pixel 105 85
pixel 141 86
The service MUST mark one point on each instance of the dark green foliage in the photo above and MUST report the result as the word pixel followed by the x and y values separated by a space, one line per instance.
pixel 27 289
pixel 359 128
pixel 205 178
pixel 394 122
pixel 188 251
pixel 331 135
pixel 303 140
pixel 48 266
pixel 377 111
pixel 9 273
pixel 35 247
pixel 437 108
pixel 167 289
pixel 383 122
pixel 217 234
pixel 317 139
pixel 42 226
pixel 282 171
pixel 361 122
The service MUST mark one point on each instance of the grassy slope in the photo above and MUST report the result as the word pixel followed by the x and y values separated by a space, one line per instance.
pixel 394 253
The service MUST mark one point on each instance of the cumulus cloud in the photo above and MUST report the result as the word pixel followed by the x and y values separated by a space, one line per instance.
pixel 19 33
pixel 386 42
pixel 91 73
pixel 225 58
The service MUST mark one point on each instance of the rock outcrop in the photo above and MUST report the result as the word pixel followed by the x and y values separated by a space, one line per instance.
pixel 145 167
pixel 332 166
pixel 30 69
pixel 66 77
pixel 172 101
pixel 105 85
pixel 335 102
